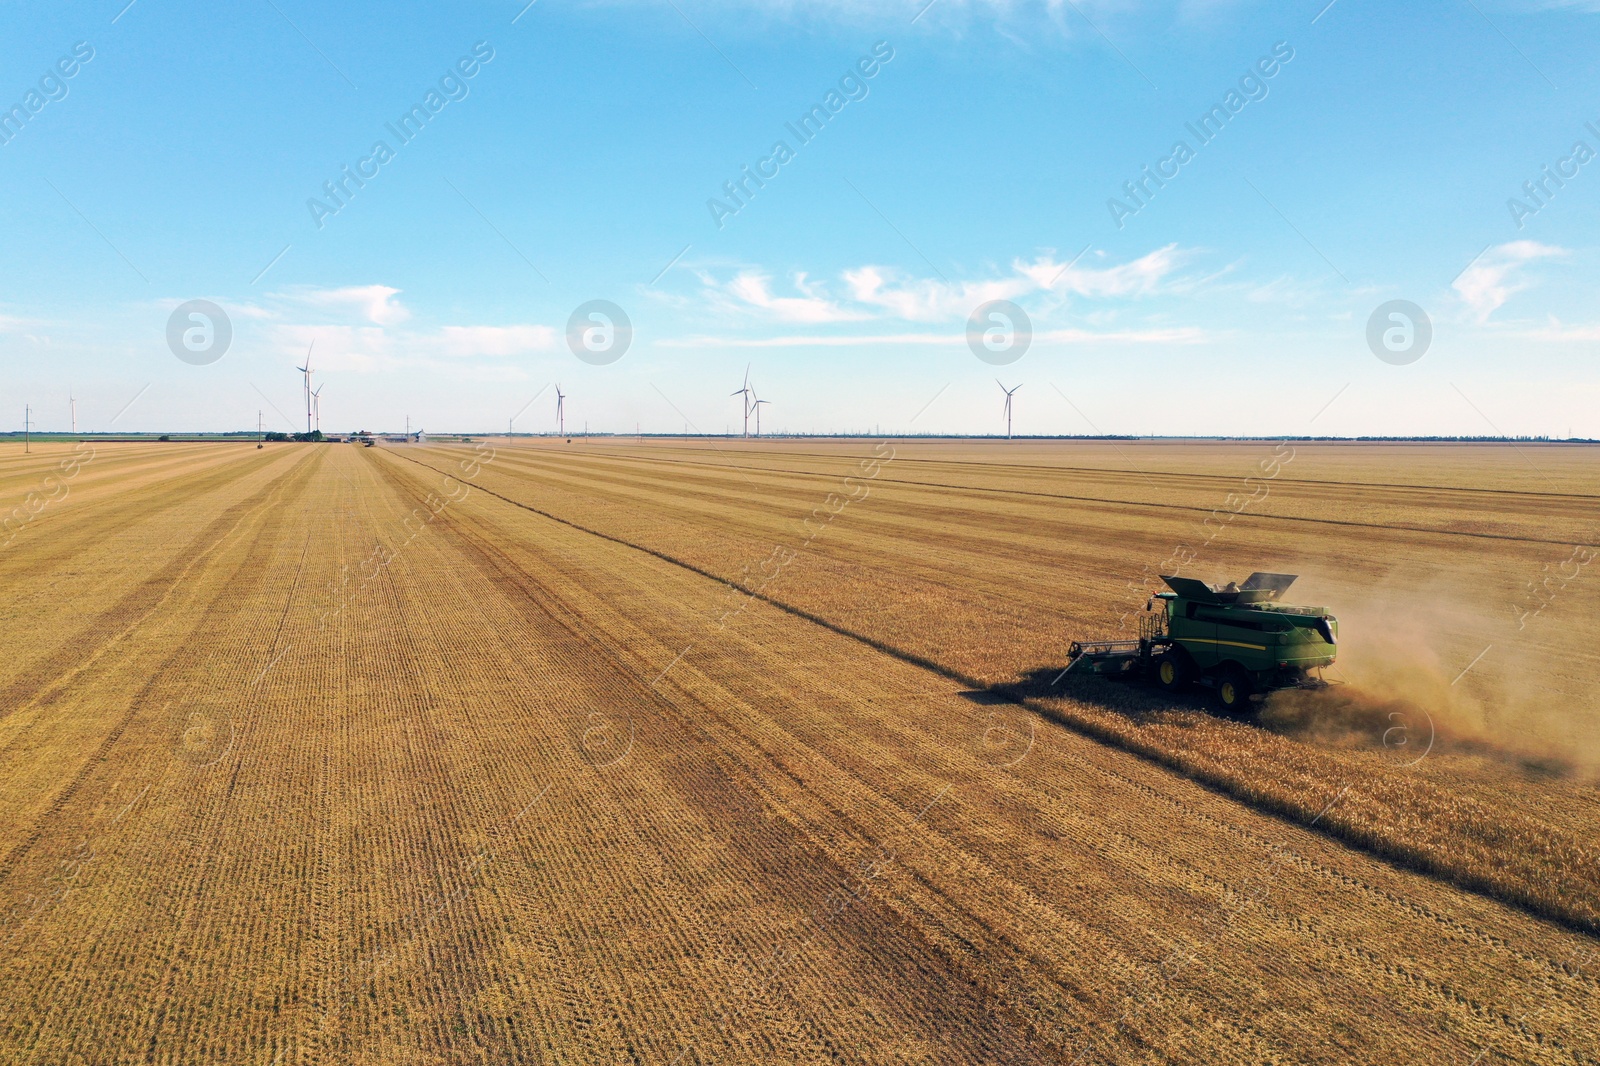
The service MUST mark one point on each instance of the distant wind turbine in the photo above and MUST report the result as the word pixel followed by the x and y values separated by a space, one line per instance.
pixel 561 412
pixel 747 393
pixel 316 406
pixel 756 404
pixel 306 370
pixel 1008 393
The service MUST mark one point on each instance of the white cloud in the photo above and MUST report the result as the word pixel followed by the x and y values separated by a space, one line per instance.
pixel 753 289
pixel 883 293
pixel 1490 281
pixel 374 303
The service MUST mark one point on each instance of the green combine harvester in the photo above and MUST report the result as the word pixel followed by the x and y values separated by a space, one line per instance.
pixel 1237 640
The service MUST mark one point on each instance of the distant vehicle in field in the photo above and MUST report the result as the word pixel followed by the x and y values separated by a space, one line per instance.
pixel 1235 639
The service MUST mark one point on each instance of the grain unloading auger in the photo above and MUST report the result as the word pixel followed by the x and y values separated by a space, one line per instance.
pixel 1237 640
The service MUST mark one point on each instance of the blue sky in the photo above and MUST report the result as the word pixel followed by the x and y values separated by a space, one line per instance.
pixel 1377 162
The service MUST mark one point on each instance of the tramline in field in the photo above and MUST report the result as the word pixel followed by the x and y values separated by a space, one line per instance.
pixel 1234 639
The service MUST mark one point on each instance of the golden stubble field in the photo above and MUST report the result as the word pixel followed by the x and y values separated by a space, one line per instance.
pixel 668 753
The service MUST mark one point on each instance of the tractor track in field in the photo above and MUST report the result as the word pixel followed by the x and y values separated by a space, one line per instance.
pixel 1190 508
pixel 1410 860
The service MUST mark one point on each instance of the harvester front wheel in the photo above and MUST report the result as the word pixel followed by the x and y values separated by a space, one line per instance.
pixel 1172 671
pixel 1233 690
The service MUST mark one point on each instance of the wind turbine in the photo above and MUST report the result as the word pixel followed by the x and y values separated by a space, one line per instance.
pixel 72 401
pixel 561 412
pixel 316 406
pixel 306 370
pixel 1008 393
pixel 756 404
pixel 746 392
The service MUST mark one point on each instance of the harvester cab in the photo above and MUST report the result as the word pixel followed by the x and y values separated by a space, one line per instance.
pixel 1237 639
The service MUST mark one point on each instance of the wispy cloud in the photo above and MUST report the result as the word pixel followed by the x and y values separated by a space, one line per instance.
pixel 372 303
pixel 1493 277
pixel 883 293
pixel 752 289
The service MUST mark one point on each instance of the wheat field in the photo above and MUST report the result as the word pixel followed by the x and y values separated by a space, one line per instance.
pixel 728 752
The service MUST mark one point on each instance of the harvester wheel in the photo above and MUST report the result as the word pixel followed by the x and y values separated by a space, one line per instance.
pixel 1233 689
pixel 1173 671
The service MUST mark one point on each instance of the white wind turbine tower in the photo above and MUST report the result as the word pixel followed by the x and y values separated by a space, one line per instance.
pixel 73 403
pixel 306 370
pixel 561 412
pixel 316 406
pixel 747 393
pixel 756 404
pixel 1008 393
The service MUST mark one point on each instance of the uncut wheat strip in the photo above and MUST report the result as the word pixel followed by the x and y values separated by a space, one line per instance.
pixel 164 788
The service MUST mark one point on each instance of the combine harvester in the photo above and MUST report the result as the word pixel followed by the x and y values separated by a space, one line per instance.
pixel 1237 640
